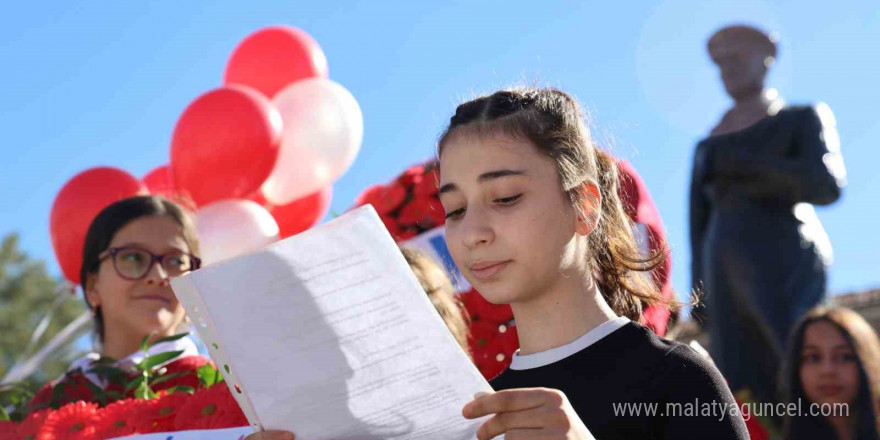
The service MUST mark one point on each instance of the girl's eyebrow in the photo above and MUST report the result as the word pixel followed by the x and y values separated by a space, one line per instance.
pixel 491 175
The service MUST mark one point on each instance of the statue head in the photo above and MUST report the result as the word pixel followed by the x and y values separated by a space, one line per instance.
pixel 743 54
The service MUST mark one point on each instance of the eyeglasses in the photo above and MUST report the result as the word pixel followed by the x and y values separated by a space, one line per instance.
pixel 133 263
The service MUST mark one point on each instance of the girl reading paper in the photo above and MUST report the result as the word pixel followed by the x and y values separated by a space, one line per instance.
pixel 534 221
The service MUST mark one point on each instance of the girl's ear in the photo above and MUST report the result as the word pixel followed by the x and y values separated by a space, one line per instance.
pixel 91 291
pixel 590 208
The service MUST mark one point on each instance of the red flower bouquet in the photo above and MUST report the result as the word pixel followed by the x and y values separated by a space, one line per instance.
pixel 116 419
pixel 210 408
pixel 174 408
pixel 8 430
pixel 74 421
pixel 157 415
pixel 29 428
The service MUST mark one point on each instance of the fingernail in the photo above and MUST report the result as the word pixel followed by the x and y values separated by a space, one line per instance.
pixel 480 394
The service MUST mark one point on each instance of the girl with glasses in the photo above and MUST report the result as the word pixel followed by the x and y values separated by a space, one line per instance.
pixel 132 249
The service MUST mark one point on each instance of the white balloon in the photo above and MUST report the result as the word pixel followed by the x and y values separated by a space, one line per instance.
pixel 228 228
pixel 322 134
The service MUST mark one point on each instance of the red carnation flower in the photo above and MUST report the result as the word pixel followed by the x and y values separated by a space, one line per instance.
pixel 157 415
pixel 210 408
pixel 412 213
pixel 368 195
pixel 8 430
pixel 412 175
pixel 74 421
pixel 117 418
pixel 391 225
pixel 436 212
pixel 425 211
pixel 384 199
pixel 427 185
pixel 30 427
pixel 406 233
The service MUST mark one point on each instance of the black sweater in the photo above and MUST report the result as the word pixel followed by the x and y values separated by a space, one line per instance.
pixel 614 384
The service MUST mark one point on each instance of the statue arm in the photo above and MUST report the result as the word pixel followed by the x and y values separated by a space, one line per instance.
pixel 814 174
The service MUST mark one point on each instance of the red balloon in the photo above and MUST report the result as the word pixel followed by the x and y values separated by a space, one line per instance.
pixel 76 206
pixel 159 181
pixel 302 214
pixel 271 58
pixel 225 145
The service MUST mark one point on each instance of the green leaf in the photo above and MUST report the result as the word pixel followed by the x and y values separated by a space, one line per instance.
pixel 136 382
pixel 4 416
pixel 144 345
pixel 151 361
pixel 105 360
pixel 144 391
pixel 110 373
pixel 168 377
pixel 57 394
pixel 170 338
pixel 14 392
pixel 98 392
pixel 181 389
pixel 207 375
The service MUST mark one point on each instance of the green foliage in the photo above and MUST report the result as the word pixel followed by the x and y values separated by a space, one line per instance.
pixel 209 376
pixel 13 399
pixel 27 292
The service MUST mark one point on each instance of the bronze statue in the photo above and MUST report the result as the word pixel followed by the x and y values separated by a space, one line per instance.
pixel 759 253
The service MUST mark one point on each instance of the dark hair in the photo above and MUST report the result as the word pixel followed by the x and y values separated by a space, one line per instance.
pixel 864 342
pixel 553 122
pixel 437 285
pixel 115 217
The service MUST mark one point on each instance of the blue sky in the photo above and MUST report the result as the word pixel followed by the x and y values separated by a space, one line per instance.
pixel 102 83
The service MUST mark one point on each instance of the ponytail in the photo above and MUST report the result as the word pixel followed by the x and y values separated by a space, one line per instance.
pixel 616 256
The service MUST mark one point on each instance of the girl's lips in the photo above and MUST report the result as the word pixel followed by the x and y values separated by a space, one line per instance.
pixel 830 390
pixel 484 271
pixel 155 298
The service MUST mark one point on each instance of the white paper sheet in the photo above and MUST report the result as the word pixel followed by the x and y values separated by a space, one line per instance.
pixel 330 336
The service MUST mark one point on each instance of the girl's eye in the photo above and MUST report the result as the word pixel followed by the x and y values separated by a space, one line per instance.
pixel 455 214
pixel 133 257
pixel 810 358
pixel 845 357
pixel 507 201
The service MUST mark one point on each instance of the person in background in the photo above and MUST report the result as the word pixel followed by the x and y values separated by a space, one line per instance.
pixel 132 249
pixel 438 287
pixel 834 367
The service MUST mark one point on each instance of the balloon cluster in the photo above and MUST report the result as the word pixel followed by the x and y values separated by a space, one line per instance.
pixel 410 207
pixel 256 158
